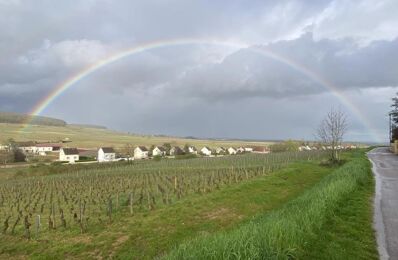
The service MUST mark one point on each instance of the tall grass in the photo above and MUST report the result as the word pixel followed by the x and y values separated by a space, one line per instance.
pixel 284 233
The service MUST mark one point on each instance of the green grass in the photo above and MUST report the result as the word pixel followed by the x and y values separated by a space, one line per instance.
pixel 94 138
pixel 320 224
pixel 152 233
pixel 348 233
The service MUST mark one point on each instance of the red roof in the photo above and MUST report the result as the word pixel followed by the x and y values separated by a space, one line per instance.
pixel 260 149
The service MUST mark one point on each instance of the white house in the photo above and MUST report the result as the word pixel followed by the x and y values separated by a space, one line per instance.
pixel 70 155
pixel 4 147
pixel 44 148
pixel 27 147
pixel 249 149
pixel 232 150
pixel 141 152
pixel 240 150
pixel 220 150
pixel 175 150
pixel 192 149
pixel 206 151
pixel 106 154
pixel 159 151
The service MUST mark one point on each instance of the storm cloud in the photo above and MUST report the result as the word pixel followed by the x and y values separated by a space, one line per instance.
pixel 199 89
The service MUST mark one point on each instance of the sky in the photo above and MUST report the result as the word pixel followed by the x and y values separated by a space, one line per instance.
pixel 314 56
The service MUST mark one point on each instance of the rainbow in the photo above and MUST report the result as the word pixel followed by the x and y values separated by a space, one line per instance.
pixel 261 50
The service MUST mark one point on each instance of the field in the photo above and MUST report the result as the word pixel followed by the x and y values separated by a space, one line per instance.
pixel 94 137
pixel 146 210
pixel 332 220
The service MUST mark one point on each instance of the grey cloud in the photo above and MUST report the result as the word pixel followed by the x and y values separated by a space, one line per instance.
pixel 44 43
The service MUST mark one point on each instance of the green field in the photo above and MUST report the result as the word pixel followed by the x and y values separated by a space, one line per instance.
pixel 94 137
pixel 211 197
pixel 332 220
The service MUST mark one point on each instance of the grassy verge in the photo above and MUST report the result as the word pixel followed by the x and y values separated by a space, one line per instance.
pixel 313 225
pixel 152 233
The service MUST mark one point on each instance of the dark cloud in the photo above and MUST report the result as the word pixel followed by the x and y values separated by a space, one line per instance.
pixel 200 90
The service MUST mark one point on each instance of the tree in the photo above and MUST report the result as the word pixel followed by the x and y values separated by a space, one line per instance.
pixel 167 147
pixel 394 111
pixel 186 148
pixel 128 150
pixel 331 132
pixel 6 157
pixel 394 119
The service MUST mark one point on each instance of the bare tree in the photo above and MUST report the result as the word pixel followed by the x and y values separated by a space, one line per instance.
pixel 331 132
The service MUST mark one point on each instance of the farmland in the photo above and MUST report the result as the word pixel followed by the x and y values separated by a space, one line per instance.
pixel 89 201
pixel 95 137
pixel 144 210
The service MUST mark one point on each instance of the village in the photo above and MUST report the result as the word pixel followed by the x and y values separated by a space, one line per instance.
pixel 62 152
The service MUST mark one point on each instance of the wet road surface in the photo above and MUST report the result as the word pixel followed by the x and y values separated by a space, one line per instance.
pixel 385 168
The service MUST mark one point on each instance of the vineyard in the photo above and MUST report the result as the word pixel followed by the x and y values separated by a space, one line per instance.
pixel 80 200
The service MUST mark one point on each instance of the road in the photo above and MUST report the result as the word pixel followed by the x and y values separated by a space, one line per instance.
pixel 385 168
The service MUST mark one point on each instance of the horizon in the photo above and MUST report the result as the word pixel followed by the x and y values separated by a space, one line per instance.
pixel 212 77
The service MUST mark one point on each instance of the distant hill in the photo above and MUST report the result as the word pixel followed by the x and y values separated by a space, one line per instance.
pixel 88 126
pixel 16 118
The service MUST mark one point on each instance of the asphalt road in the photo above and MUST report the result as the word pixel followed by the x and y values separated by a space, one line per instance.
pixel 385 168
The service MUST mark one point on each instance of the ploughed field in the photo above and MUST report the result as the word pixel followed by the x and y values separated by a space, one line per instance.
pixel 34 206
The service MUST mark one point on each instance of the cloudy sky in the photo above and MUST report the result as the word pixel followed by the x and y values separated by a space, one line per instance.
pixel 276 69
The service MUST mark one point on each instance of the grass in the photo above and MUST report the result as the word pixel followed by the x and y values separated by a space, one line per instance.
pixel 93 137
pixel 332 220
pixel 152 233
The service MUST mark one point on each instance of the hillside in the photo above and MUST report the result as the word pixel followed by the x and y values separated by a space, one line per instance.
pixel 95 137
pixel 16 118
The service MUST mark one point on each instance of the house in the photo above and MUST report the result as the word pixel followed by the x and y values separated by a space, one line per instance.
pixel 141 152
pixel 43 148
pixel 232 150
pixel 70 155
pixel 192 149
pixel 106 154
pixel 304 148
pixel 4 147
pixel 206 151
pixel 261 149
pixel 175 150
pixel 220 150
pixel 249 149
pixel 240 150
pixel 27 147
pixel 159 151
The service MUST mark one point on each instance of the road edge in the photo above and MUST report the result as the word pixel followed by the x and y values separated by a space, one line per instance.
pixel 378 222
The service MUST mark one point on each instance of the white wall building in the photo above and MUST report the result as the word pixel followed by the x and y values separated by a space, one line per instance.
pixel 249 149
pixel 106 154
pixel 44 148
pixel 220 150
pixel 159 151
pixel 27 147
pixel 70 155
pixel 141 152
pixel 240 150
pixel 192 149
pixel 175 150
pixel 206 151
pixel 232 150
